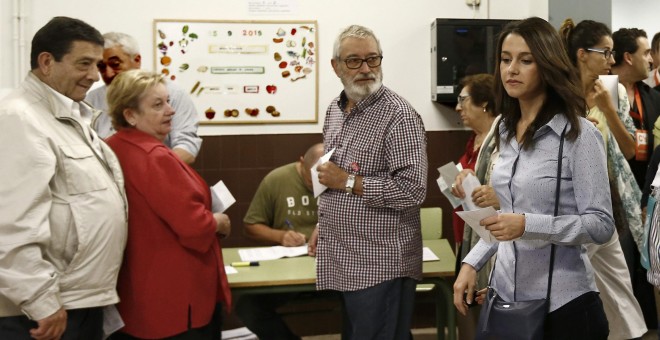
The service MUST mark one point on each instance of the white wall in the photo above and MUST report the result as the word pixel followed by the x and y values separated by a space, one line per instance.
pixel 644 14
pixel 402 26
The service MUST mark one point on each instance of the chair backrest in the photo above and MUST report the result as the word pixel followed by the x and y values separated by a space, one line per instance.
pixel 431 223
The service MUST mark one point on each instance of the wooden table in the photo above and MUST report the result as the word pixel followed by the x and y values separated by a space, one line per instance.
pixel 298 274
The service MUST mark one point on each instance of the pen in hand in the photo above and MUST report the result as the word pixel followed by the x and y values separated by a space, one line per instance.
pixel 291 238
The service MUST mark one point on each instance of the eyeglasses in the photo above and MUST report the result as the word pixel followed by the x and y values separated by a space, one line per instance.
pixel 606 53
pixel 356 63
pixel 115 65
pixel 460 99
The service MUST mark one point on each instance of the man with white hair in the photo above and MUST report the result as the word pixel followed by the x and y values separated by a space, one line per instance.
pixel 121 54
pixel 368 241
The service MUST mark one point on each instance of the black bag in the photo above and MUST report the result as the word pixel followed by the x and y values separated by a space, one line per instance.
pixel 511 320
pixel 518 320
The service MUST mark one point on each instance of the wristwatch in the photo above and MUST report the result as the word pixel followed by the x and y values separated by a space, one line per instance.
pixel 350 183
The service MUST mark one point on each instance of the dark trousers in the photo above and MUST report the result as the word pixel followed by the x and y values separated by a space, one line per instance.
pixel 382 312
pixel 212 331
pixel 582 318
pixel 259 314
pixel 84 323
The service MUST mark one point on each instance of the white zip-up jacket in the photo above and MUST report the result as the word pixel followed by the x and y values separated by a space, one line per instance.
pixel 63 211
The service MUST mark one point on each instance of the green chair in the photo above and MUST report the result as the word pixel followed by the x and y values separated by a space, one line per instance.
pixel 445 314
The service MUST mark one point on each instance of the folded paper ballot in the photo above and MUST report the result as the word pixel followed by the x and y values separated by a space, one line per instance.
pixel 317 186
pixel 611 83
pixel 448 173
pixel 472 219
pixel 221 198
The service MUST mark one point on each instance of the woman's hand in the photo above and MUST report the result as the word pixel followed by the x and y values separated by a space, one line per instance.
pixel 505 227
pixel 484 196
pixel 457 187
pixel 603 100
pixel 466 281
pixel 223 224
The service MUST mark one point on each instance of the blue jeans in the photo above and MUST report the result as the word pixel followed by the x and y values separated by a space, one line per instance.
pixel 383 311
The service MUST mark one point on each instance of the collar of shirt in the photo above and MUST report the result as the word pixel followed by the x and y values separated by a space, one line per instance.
pixel 360 105
pixel 555 124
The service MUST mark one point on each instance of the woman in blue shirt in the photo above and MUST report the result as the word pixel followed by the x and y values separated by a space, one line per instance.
pixel 538 93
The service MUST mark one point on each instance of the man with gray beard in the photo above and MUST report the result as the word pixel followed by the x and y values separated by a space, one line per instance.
pixel 368 239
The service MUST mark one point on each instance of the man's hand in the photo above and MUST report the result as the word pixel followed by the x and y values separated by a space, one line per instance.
pixel 332 176
pixel 313 241
pixel 51 327
pixel 293 239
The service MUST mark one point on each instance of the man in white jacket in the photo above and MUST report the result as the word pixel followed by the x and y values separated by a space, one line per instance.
pixel 62 201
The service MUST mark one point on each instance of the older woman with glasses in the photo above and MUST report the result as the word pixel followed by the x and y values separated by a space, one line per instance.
pixel 173 275
pixel 475 104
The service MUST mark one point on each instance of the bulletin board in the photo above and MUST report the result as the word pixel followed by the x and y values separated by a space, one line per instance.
pixel 242 72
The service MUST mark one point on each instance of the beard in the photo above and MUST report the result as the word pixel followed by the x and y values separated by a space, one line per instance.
pixel 358 92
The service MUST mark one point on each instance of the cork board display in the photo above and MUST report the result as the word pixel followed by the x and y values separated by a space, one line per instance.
pixel 242 72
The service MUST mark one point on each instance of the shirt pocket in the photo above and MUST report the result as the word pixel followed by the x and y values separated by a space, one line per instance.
pixel 81 168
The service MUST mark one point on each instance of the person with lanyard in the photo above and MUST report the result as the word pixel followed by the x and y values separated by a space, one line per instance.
pixel 631 64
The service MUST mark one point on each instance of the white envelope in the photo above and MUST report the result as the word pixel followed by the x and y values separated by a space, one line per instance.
pixel 611 82
pixel 221 198
pixel 318 187
pixel 472 219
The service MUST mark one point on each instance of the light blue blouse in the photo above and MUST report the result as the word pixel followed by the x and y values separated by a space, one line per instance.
pixel 585 214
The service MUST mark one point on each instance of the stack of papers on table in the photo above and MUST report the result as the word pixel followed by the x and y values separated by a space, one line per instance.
pixel 271 253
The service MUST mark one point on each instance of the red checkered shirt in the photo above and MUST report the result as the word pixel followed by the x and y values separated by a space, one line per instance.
pixel 368 239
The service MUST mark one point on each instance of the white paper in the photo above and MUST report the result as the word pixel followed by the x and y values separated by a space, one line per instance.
pixel 656 179
pixel 221 198
pixel 238 334
pixel 611 83
pixel 429 255
pixel 318 187
pixel 469 183
pixel 271 253
pixel 230 270
pixel 112 321
pixel 448 172
pixel 472 219
pixel 446 190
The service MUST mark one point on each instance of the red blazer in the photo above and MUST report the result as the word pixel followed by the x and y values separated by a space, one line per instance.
pixel 173 270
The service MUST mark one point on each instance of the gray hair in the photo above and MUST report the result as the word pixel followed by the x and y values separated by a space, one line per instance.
pixel 127 43
pixel 354 31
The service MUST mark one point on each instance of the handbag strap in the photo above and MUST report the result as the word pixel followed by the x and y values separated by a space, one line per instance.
pixel 552 246
pixel 557 192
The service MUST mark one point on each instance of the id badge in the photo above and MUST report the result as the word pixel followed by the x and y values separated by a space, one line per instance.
pixel 641 145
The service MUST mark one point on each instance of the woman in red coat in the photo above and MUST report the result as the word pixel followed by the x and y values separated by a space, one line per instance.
pixel 173 274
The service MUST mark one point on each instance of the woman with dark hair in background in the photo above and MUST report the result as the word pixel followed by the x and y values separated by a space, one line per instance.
pixel 589 45
pixel 538 93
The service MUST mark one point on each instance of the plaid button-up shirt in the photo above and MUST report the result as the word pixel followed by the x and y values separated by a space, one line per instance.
pixel 368 239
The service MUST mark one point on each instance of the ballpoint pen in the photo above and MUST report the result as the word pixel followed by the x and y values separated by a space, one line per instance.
pixel 288 224
pixel 245 264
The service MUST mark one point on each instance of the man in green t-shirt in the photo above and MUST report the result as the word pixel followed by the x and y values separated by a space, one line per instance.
pixel 282 212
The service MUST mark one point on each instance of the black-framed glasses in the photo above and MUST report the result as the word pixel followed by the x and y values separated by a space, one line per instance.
pixel 356 63
pixel 460 99
pixel 605 52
